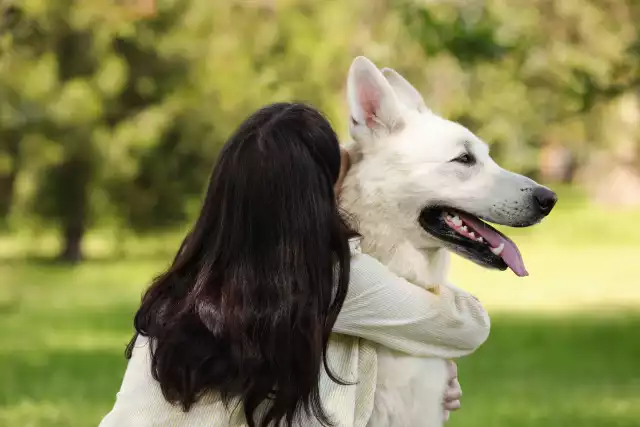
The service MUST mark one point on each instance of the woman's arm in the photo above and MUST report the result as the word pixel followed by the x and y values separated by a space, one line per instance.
pixel 390 311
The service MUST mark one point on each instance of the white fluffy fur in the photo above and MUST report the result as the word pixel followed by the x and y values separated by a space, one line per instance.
pixel 401 154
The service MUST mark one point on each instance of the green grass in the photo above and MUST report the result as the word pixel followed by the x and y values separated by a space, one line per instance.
pixel 559 372
pixel 564 349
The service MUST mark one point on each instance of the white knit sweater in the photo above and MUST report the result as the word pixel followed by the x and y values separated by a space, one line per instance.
pixel 380 307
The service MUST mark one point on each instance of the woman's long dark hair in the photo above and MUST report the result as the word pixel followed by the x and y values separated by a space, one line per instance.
pixel 248 304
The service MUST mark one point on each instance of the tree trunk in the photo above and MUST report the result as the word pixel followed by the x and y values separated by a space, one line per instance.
pixel 8 178
pixel 72 249
pixel 74 175
pixel 7 182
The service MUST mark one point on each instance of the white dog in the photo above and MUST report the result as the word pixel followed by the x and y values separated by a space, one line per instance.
pixel 420 186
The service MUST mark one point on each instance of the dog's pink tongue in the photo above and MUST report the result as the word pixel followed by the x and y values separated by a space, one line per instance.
pixel 510 254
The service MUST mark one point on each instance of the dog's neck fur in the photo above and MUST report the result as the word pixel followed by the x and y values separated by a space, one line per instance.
pixel 387 238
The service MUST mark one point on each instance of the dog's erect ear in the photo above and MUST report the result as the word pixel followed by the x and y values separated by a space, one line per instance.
pixel 372 101
pixel 406 93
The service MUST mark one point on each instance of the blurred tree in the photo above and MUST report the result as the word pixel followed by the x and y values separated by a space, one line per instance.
pixel 109 118
pixel 10 134
pixel 529 71
pixel 101 100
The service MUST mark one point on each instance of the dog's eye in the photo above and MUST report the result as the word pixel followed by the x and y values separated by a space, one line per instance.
pixel 466 159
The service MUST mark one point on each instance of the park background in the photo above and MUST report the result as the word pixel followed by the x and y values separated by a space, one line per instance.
pixel 112 114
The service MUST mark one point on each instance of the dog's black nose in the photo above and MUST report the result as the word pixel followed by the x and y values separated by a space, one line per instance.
pixel 545 199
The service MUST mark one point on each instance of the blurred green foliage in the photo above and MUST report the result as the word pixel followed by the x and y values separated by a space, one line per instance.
pixel 109 120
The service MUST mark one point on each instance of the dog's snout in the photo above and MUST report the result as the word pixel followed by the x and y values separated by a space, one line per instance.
pixel 545 199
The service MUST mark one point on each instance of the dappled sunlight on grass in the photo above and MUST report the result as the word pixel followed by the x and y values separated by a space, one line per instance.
pixel 560 279
pixel 580 258
pixel 563 349
pixel 554 371
pixel 66 389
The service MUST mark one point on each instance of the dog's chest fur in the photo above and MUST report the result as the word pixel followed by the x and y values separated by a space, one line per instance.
pixel 409 390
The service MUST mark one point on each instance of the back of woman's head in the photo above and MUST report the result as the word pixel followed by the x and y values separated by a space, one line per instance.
pixel 248 304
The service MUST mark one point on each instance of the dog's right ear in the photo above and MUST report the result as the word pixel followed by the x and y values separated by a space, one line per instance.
pixel 372 101
pixel 404 90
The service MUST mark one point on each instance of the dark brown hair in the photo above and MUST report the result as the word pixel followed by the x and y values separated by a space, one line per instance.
pixel 248 304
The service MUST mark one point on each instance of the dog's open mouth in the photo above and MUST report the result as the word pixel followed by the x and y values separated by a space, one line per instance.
pixel 473 238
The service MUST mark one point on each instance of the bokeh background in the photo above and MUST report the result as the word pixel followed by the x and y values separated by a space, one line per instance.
pixel 112 114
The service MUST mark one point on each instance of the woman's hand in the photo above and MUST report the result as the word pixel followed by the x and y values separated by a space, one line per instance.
pixel 453 392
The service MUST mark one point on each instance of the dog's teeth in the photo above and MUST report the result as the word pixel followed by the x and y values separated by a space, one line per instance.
pixel 456 221
pixel 498 250
pixel 473 236
pixel 464 228
pixel 480 239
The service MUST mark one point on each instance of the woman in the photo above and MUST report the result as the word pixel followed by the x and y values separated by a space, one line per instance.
pixel 267 315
